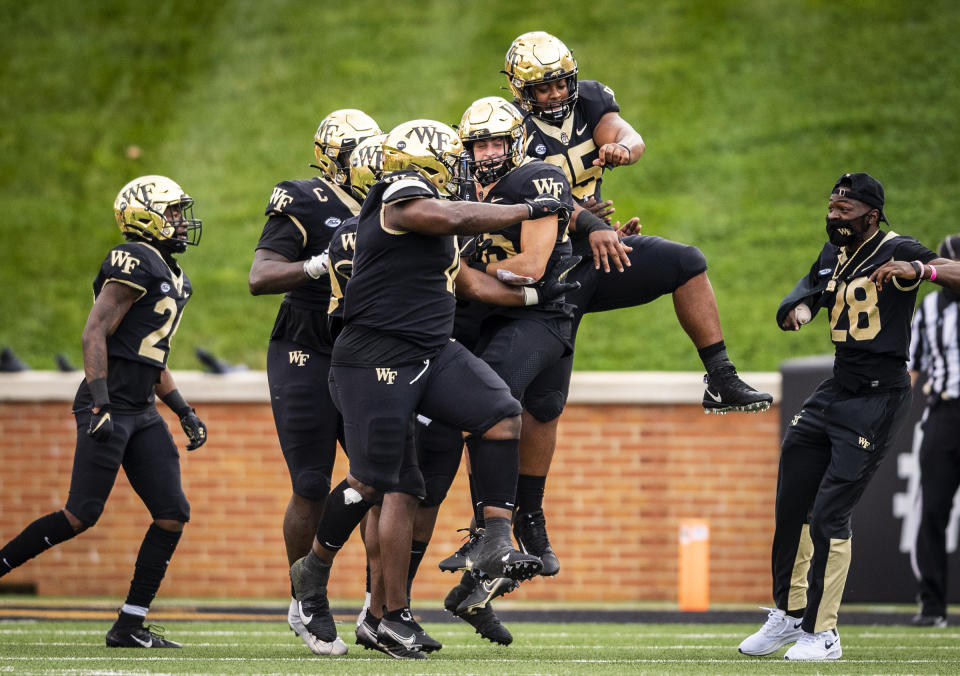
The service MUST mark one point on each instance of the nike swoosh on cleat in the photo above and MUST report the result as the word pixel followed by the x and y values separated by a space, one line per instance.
pixel 145 644
pixel 303 616
pixel 505 557
pixel 715 397
pixel 408 642
pixel 828 645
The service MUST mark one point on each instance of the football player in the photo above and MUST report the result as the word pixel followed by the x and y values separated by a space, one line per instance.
pixel 394 357
pixel 576 125
pixel 868 280
pixel 291 258
pixel 139 295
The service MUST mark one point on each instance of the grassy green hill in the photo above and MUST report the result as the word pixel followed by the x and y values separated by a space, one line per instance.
pixel 750 110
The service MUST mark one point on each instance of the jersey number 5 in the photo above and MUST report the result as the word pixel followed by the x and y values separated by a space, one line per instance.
pixel 858 299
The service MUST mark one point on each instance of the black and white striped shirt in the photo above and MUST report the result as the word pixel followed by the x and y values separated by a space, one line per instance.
pixel 935 344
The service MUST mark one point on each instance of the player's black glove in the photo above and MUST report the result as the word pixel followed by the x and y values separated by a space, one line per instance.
pixel 554 285
pixel 100 428
pixel 475 259
pixel 193 427
pixel 195 430
pixel 101 424
pixel 545 205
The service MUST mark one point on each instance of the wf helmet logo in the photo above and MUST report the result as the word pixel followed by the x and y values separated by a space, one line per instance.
pixel 430 136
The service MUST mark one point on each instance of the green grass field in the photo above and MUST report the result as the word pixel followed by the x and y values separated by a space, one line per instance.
pixel 750 110
pixel 76 648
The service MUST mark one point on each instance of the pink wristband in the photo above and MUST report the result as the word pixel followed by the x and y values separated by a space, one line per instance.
pixel 933 272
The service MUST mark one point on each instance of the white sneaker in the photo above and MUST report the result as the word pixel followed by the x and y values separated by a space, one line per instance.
pixel 779 630
pixel 816 647
pixel 363 611
pixel 317 647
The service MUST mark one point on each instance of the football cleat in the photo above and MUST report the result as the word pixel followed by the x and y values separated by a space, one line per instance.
pixel 483 619
pixel 401 639
pixel 936 621
pixel 779 630
pixel 816 647
pixel 531 533
pixel 484 592
pixel 156 209
pixel 725 392
pixel 317 647
pixel 367 634
pixel 458 560
pixel 497 558
pixel 312 605
pixel 139 637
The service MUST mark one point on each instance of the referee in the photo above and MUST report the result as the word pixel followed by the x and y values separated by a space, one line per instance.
pixel 935 353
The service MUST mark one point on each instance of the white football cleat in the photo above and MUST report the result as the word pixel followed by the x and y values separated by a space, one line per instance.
pixel 317 647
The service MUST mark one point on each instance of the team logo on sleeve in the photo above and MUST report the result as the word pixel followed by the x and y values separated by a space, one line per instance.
pixel 280 198
pixel 332 222
pixel 165 287
pixel 123 260
pixel 541 149
pixel 548 186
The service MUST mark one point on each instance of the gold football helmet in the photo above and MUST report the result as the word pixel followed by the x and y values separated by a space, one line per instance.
pixel 488 118
pixel 141 210
pixel 338 134
pixel 366 164
pixel 540 57
pixel 429 147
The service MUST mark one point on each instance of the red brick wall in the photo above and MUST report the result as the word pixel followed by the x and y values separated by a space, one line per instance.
pixel 623 478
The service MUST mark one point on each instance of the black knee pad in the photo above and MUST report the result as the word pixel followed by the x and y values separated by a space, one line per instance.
pixel 180 511
pixel 311 484
pixel 691 262
pixel 547 406
pixel 87 510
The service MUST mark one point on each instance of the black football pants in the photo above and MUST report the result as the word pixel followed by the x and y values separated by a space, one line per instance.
pixel 830 452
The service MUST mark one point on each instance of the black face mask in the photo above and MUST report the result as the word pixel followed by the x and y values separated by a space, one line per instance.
pixel 841 231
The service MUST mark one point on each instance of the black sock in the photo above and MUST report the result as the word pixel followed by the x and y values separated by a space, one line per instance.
pixel 530 493
pixel 796 614
pixel 39 536
pixel 494 463
pixel 156 550
pixel 417 549
pixel 476 502
pixel 342 513
pixel 396 615
pixel 714 356
pixel 368 579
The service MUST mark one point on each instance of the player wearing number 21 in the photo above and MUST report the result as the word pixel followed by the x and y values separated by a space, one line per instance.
pixel 139 296
pixel 867 279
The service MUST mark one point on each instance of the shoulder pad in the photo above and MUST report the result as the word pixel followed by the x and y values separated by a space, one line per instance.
pixel 597 94
pixel 301 198
pixel 135 264
pixel 409 185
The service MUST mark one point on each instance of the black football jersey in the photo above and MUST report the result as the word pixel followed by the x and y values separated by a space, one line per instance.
pixel 145 332
pixel 870 329
pixel 531 179
pixel 302 215
pixel 402 282
pixel 342 247
pixel 570 145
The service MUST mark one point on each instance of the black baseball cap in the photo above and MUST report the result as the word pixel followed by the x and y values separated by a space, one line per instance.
pixel 863 188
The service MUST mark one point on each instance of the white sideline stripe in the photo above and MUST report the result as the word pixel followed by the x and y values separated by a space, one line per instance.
pixel 313 660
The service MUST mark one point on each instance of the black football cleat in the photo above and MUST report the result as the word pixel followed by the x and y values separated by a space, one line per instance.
pixel 484 592
pixel 401 639
pixel 139 637
pixel 310 591
pixel 531 533
pixel 725 392
pixel 458 560
pixel 495 556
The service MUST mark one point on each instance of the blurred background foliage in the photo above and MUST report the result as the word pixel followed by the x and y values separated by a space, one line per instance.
pixel 750 110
